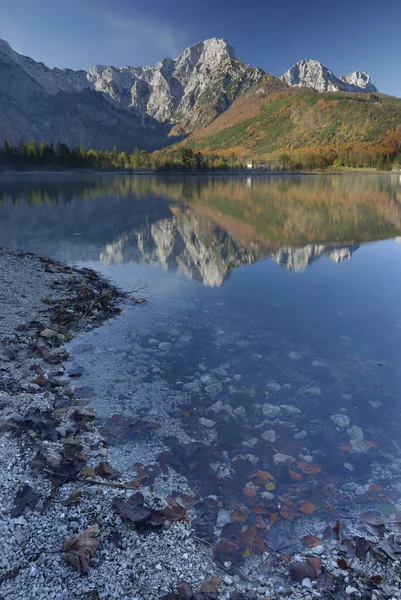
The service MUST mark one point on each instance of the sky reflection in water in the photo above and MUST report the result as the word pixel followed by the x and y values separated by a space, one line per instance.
pixel 270 292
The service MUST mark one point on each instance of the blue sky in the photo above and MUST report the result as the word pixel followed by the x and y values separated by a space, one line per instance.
pixel 345 35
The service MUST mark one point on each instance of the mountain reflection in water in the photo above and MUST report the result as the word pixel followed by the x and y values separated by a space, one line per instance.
pixel 273 397
pixel 203 227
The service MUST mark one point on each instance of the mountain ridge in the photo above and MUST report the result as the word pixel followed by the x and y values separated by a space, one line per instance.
pixel 131 106
pixel 313 75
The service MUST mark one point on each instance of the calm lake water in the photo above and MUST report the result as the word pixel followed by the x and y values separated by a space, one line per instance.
pixel 270 343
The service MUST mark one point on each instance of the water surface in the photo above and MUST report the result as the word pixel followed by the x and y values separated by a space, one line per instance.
pixel 278 298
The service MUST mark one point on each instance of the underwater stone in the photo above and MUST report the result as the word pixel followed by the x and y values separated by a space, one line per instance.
pixel 269 410
pixel 340 420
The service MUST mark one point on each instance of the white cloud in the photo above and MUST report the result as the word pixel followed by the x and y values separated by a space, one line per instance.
pixel 146 33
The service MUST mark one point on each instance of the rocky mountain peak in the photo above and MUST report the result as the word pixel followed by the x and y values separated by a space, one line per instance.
pixel 314 75
pixel 361 79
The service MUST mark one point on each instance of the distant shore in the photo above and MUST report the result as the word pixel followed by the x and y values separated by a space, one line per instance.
pixel 200 173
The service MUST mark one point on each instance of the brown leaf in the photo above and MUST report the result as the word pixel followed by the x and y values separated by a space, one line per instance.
pixel 250 542
pixel 73 498
pixel 362 547
pixel 324 582
pixel 176 513
pixel 309 469
pixel 24 498
pixel 300 571
pixel 107 471
pixel 270 486
pixel 265 476
pixel 227 551
pixel 210 586
pixel 249 492
pixel 239 514
pixel 287 513
pixel 316 563
pixel 336 529
pixel 80 548
pixel 342 564
pixel 312 540
pixel 184 591
pixel 376 579
pixel 308 508
pixel 294 475
pixel 259 510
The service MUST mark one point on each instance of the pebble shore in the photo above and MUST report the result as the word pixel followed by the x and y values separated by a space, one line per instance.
pixel 45 303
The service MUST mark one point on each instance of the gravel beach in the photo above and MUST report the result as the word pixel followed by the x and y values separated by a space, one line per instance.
pixel 57 482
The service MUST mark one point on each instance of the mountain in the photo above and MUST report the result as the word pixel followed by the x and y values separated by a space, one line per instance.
pixel 291 127
pixel 124 107
pixel 131 106
pixel 313 75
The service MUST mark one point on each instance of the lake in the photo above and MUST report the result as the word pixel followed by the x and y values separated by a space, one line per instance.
pixel 261 381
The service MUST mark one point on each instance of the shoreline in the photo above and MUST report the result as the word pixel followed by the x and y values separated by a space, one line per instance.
pixel 222 173
pixel 49 441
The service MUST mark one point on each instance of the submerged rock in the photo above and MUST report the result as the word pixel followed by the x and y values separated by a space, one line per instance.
pixel 313 391
pixel 164 346
pixel 273 387
pixel 270 410
pixel 281 459
pixel 341 420
pixel 206 422
pixel 355 433
pixel 214 389
pixel 290 409
pixel 269 436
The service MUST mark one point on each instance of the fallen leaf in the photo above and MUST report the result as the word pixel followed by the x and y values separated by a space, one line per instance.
pixel 80 548
pixel 265 476
pixel 324 582
pixel 375 488
pixel 342 564
pixel 273 518
pixel 390 548
pixel 286 513
pixel 176 513
pixel 250 542
pixel 24 498
pixel 107 471
pixel 294 475
pixel 134 511
pixel 9 575
pixel 140 301
pixel 308 508
pixel 239 514
pixel 316 563
pixel 73 498
pixel 371 444
pixel 282 538
pixel 88 472
pixel 249 492
pixel 336 529
pixel 309 469
pixel 210 586
pixel 345 448
pixel 184 591
pixel 312 540
pixel 259 510
pixel 301 570
pixel 376 579
pixel 227 551
pixel 362 547
pixel 270 486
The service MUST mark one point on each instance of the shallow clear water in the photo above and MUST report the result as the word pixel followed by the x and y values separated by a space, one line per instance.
pixel 279 297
